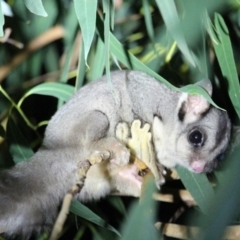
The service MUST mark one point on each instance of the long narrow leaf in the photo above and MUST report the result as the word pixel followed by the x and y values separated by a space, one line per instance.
pixel 225 209
pixel 2 132
pixel 84 212
pixel 81 69
pixel 132 62
pixel 199 187
pixel 141 217
pixel 106 9
pixel 171 19
pixel 36 7
pixel 1 20
pixel 148 19
pixel 59 90
pixel 193 89
pixel 225 58
pixel 6 9
pixel 112 14
pixel 18 146
pixel 86 14
pixel 70 26
pixel 97 61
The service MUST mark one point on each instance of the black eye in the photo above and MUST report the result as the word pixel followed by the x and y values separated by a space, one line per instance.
pixel 220 157
pixel 196 138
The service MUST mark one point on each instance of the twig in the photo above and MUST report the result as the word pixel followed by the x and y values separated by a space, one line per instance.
pixel 6 39
pixel 62 216
pixel 172 195
pixel 176 230
pixel 232 232
pixel 58 226
pixel 44 39
pixel 186 232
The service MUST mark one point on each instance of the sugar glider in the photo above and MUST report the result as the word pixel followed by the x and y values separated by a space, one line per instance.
pixel 186 131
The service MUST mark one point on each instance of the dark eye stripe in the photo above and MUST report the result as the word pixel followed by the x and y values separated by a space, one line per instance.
pixel 181 112
pixel 222 131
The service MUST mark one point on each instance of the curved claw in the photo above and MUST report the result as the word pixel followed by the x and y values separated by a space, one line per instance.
pixel 99 156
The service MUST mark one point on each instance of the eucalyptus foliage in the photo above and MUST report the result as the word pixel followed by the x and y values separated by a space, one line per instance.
pixel 177 42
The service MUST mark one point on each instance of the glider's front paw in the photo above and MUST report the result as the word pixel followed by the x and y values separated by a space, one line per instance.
pixel 120 155
pixel 99 156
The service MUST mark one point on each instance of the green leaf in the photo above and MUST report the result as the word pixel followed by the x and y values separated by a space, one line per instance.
pixel 70 26
pixel 1 20
pixel 36 7
pixel 199 187
pixel 226 61
pixel 86 14
pixel 112 14
pixel 224 211
pixel 210 28
pixel 97 60
pixel 84 212
pixel 2 131
pixel 171 19
pixel 194 89
pixel 118 204
pixel 18 146
pixel 81 69
pixel 132 62
pixel 141 218
pixel 6 9
pixel 148 19
pixel 106 9
pixel 59 90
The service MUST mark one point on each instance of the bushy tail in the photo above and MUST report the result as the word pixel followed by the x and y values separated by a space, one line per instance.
pixel 30 194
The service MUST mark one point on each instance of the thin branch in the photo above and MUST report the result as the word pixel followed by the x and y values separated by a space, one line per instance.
pixel 44 39
pixel 174 195
pixel 18 108
pixel 58 226
pixel 176 230
pixel 62 216
pixel 186 232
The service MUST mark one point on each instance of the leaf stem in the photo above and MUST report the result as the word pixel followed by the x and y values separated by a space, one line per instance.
pixel 18 109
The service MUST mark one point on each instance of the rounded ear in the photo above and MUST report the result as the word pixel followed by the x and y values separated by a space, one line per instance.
pixel 206 85
pixel 193 106
pixel 196 105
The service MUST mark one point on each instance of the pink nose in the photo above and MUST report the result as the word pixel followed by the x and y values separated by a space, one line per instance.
pixel 198 166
